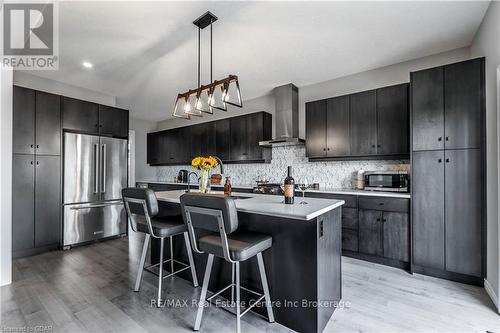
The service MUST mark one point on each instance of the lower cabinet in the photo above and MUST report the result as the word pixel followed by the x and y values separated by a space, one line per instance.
pixel 370 232
pixel 36 203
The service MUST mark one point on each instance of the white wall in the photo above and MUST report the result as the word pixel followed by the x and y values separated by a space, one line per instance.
pixel 487 43
pixel 376 78
pixel 27 80
pixel 141 127
pixel 6 176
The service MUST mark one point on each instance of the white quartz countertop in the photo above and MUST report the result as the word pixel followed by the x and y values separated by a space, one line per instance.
pixel 246 186
pixel 321 190
pixel 270 205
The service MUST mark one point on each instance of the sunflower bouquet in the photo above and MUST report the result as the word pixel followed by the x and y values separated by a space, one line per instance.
pixel 204 164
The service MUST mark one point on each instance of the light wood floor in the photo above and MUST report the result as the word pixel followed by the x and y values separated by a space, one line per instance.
pixel 89 289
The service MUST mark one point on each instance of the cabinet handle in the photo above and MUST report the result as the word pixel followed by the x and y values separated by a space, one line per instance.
pixel 373 146
pixel 31 146
pixel 446 139
pixel 328 149
pixel 31 162
pixel 324 149
pixel 378 146
pixel 440 160
pixel 96 125
pixel 440 139
pixel 37 146
pixel 244 154
pixel 447 160
pixel 37 163
pixel 381 204
pixel 378 220
pixel 384 220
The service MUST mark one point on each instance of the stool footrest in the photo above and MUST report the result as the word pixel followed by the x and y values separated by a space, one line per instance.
pixel 148 268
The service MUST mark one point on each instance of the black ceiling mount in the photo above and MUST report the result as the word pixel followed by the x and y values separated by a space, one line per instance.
pixel 205 20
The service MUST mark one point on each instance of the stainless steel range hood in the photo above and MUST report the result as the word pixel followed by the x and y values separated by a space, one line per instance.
pixel 286 117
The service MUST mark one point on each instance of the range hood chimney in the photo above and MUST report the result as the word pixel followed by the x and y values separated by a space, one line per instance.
pixel 286 117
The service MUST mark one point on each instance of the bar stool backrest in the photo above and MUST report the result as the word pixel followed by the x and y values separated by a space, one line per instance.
pixel 142 202
pixel 210 212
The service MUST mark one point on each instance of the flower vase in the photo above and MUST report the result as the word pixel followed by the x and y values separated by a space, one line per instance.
pixel 204 185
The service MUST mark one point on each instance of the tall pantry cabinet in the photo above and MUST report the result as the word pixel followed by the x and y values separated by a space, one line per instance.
pixel 448 171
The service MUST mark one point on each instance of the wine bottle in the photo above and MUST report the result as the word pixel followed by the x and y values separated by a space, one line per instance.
pixel 289 188
pixel 227 187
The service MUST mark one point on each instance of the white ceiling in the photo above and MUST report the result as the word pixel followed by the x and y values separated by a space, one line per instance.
pixel 146 52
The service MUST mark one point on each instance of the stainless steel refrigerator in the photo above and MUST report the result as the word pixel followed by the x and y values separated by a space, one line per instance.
pixel 95 171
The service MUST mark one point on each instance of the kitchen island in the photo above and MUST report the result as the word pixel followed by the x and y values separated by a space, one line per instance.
pixel 303 265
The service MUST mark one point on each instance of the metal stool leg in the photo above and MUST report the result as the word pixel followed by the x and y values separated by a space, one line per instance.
pixel 191 261
pixel 204 289
pixel 160 272
pixel 142 262
pixel 171 254
pixel 265 287
pixel 232 283
pixel 238 307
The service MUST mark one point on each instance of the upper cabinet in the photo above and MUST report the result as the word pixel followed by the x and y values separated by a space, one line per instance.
pixel 37 122
pixel 80 115
pixel 368 124
pixel 91 118
pixel 113 121
pixel 447 103
pixel 233 140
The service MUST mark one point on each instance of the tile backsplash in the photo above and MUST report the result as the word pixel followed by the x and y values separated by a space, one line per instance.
pixel 332 174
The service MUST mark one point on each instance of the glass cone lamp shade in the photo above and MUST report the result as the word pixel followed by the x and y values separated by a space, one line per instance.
pixel 217 98
pixel 190 107
pixel 179 108
pixel 202 102
pixel 232 94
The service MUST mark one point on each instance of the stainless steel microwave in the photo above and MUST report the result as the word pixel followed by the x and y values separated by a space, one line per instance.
pixel 392 181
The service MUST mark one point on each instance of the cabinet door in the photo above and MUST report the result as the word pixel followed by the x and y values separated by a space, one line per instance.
pixel 337 126
pixel 48 124
pixel 113 121
pixel 23 194
pixel 202 140
pixel 23 105
pixel 258 128
pixel 222 139
pixel 181 143
pixel 428 109
pixel 463 94
pixel 80 115
pixel 316 129
pixel 152 147
pixel 463 208
pixel 396 236
pixel 238 143
pixel 363 123
pixel 370 232
pixel 392 115
pixel 428 208
pixel 350 240
pixel 47 200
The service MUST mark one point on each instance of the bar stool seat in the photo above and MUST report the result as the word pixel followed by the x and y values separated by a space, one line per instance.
pixel 162 227
pixel 242 244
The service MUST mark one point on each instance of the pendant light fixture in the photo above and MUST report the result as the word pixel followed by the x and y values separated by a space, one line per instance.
pixel 215 95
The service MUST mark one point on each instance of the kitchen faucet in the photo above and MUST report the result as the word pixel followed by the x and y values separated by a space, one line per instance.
pixel 189 179
pixel 221 165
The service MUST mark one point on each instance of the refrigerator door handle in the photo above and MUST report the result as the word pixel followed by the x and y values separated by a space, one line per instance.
pixel 97 205
pixel 103 185
pixel 96 168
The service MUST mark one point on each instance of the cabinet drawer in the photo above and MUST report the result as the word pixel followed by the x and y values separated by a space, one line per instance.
pixel 384 203
pixel 350 218
pixel 350 240
pixel 351 201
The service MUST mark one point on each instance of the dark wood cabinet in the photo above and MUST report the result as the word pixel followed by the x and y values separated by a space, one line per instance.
pixel 393 121
pixel 337 127
pixel 233 140
pixel 369 124
pixel 80 115
pixel 23 196
pixel 428 208
pixel 448 171
pixel 48 124
pixel 463 211
pixel 370 232
pixel 23 140
pixel 47 200
pixel 463 95
pixel 222 138
pixel 427 109
pixel 113 121
pixel 396 235
pixel 316 129
pixel 363 126
pixel 350 240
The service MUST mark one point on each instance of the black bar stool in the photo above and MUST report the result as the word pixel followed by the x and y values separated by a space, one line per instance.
pixel 142 207
pixel 217 214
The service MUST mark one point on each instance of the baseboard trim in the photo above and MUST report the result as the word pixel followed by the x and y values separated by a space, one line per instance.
pixel 491 293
